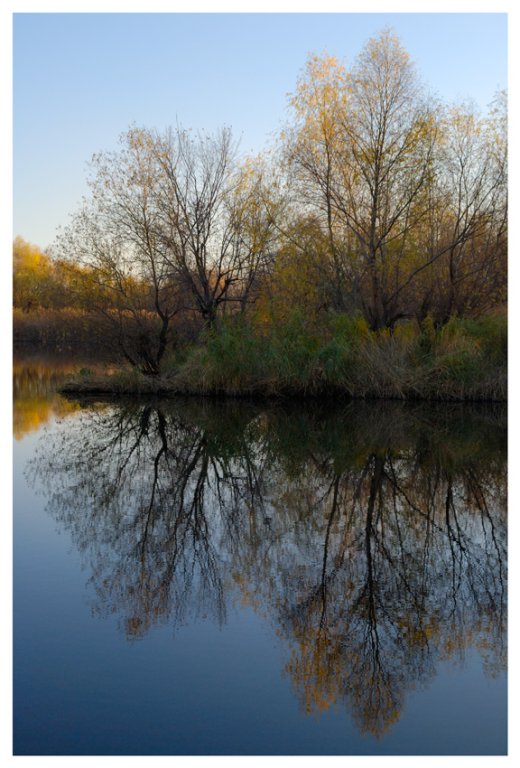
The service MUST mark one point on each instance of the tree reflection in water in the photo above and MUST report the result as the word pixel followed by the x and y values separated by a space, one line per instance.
pixel 372 537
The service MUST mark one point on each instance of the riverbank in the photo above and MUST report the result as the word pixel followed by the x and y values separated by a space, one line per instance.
pixel 165 387
pixel 465 360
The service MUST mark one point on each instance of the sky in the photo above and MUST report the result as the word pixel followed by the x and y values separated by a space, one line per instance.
pixel 80 80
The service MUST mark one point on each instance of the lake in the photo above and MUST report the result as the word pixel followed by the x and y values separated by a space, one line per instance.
pixel 211 578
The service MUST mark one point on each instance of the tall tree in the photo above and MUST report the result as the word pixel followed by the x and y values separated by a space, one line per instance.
pixel 375 132
pixel 412 196
pixel 390 135
pixel 216 227
pixel 313 143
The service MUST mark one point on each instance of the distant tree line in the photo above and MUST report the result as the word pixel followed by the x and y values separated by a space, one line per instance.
pixel 379 201
pixel 41 282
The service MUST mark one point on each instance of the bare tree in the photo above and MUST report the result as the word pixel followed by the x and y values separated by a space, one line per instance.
pixel 116 236
pixel 468 227
pixel 215 227
pixel 173 223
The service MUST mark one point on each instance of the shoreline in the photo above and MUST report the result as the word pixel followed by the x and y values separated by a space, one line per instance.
pixel 133 385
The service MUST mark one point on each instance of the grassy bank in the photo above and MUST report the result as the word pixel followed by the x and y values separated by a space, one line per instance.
pixel 465 360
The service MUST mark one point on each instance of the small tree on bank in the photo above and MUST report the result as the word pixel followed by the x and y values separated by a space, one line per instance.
pixel 173 224
pixel 116 236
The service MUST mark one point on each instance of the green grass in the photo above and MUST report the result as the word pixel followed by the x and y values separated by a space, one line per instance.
pixel 466 359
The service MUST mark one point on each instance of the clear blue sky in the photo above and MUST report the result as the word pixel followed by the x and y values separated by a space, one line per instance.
pixel 81 79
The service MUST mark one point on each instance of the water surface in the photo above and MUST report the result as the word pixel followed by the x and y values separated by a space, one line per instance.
pixel 236 578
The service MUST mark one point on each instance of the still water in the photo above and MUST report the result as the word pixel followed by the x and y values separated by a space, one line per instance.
pixel 238 578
